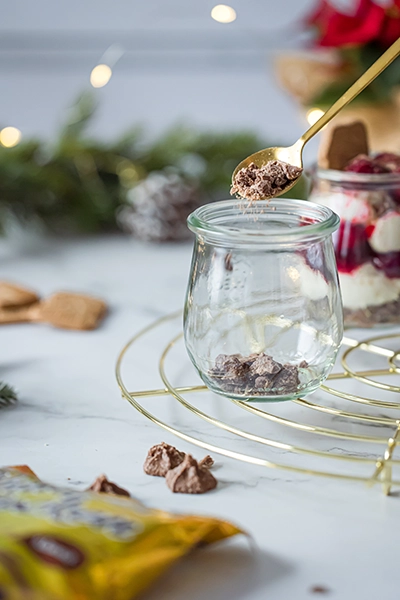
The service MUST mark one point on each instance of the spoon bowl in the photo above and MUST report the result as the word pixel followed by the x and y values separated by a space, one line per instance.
pixel 292 155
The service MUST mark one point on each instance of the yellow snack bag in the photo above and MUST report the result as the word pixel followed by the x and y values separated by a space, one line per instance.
pixel 59 544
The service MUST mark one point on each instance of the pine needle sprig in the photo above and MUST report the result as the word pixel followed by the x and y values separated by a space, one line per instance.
pixel 8 395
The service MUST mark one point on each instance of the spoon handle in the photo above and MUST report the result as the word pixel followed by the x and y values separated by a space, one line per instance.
pixel 370 74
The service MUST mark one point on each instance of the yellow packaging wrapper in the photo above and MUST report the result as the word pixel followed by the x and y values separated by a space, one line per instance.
pixel 59 544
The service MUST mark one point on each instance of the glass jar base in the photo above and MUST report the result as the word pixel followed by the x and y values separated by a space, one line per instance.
pixel 262 397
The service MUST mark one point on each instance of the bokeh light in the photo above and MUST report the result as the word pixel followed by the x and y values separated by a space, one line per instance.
pixel 100 76
pixel 223 13
pixel 10 136
pixel 314 114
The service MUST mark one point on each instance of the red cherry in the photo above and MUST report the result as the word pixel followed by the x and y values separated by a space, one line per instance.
pixel 389 263
pixel 387 157
pixel 369 230
pixel 365 164
pixel 389 160
pixel 351 246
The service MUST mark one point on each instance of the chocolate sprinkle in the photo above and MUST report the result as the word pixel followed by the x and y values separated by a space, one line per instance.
pixel 260 183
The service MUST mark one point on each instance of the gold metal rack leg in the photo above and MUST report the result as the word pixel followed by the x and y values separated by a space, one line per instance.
pixel 383 469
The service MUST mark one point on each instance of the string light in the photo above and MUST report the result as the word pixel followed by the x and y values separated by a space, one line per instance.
pixel 313 115
pixel 223 13
pixel 100 76
pixel 10 136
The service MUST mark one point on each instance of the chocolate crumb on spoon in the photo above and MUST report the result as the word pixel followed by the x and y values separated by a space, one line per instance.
pixel 260 183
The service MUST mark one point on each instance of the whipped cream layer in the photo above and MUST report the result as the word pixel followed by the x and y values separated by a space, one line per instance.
pixel 386 233
pixel 366 286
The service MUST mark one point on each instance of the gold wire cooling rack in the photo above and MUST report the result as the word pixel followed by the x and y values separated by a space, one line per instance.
pixel 361 427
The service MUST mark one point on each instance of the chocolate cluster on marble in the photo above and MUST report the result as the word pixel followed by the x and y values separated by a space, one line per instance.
pixel 207 462
pixel 104 486
pixel 182 472
pixel 255 375
pixel 261 183
pixel 190 478
pixel 161 458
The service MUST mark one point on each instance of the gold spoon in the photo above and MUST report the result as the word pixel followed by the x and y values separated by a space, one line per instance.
pixel 293 155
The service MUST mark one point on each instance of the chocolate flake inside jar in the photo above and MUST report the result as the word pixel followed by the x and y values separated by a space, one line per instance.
pixel 260 183
pixel 256 375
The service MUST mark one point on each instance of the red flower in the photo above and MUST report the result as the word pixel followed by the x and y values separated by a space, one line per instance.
pixel 391 28
pixel 370 22
pixel 321 15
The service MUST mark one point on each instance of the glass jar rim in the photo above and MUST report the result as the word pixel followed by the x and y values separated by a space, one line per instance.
pixel 350 177
pixel 322 221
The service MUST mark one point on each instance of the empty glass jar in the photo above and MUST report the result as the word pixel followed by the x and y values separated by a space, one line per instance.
pixel 263 314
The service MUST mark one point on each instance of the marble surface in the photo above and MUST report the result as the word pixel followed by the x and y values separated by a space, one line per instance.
pixel 71 424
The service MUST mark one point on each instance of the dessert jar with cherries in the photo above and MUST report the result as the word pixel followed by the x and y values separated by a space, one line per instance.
pixel 367 243
pixel 263 315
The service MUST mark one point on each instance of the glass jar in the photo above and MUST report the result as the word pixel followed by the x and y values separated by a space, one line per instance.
pixel 367 244
pixel 263 314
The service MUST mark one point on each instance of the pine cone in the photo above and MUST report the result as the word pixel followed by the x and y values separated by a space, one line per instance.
pixel 158 207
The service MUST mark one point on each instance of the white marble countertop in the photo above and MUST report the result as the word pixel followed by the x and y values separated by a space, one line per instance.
pixel 71 424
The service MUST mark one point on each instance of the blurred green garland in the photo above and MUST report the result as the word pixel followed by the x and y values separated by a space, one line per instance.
pixel 77 185
pixel 354 62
